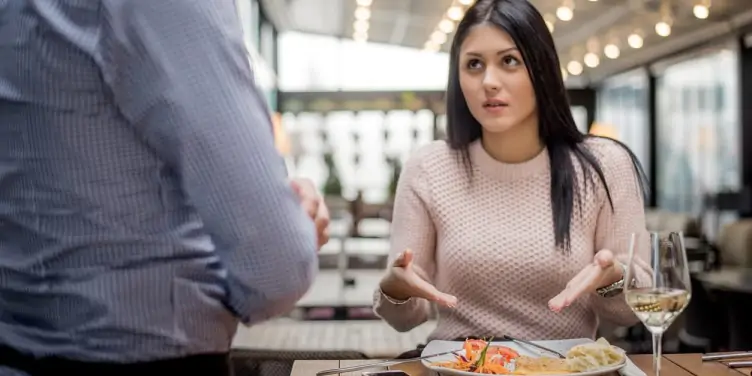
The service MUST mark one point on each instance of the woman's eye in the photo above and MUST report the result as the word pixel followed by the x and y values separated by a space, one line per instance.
pixel 510 61
pixel 474 64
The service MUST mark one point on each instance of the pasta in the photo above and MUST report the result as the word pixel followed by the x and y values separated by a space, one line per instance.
pixel 590 356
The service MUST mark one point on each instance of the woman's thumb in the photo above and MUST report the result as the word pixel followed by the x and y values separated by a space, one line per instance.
pixel 404 259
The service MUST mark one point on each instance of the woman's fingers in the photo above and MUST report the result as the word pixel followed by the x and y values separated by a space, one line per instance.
pixel 581 283
pixel 428 291
pixel 417 279
pixel 588 279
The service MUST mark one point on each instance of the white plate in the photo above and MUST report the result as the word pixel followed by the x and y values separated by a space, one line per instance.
pixel 562 346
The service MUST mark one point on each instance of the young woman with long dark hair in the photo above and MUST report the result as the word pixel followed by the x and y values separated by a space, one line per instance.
pixel 518 224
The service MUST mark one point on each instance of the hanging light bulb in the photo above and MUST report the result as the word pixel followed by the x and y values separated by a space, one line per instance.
pixel 430 46
pixel 447 26
pixel 438 37
pixel 360 37
pixel 611 51
pixel 635 40
pixel 591 60
pixel 362 13
pixel 701 11
pixel 574 68
pixel 361 26
pixel 663 28
pixel 550 20
pixel 455 13
pixel 564 13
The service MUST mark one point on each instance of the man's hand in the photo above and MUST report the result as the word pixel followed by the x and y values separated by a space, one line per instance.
pixel 314 205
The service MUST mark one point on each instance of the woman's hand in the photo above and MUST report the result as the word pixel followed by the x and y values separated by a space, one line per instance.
pixel 406 280
pixel 603 271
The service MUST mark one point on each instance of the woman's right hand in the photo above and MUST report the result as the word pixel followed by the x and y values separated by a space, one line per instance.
pixel 406 280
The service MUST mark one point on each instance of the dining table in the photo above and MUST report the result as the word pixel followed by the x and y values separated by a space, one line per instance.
pixel 671 365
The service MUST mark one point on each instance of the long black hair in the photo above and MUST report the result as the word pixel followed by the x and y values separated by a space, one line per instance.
pixel 557 129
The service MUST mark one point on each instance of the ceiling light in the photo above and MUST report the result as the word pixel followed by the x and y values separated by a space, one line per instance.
pixel 564 13
pixel 663 29
pixel 364 3
pixel 431 46
pixel 446 26
pixel 550 20
pixel 591 60
pixel 635 40
pixel 360 37
pixel 362 13
pixel 360 26
pixel 550 26
pixel 574 68
pixel 611 51
pixel 455 13
pixel 438 37
pixel 701 11
pixel 466 2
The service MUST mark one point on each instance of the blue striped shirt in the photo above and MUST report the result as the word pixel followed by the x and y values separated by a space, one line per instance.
pixel 143 208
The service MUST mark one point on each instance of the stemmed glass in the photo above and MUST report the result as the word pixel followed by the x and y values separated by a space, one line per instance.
pixel 658 287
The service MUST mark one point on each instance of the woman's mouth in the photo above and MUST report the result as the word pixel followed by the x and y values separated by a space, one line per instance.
pixel 495 105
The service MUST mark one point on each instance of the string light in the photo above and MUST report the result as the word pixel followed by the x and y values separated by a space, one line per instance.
pixel 701 11
pixel 611 51
pixel 574 68
pixel 591 59
pixel 663 28
pixel 635 40
pixel 446 26
pixel 564 13
pixel 362 20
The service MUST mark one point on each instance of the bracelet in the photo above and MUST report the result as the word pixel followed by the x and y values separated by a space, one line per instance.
pixel 393 300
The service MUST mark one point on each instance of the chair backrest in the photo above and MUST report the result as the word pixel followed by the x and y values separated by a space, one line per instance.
pixel 735 244
pixel 664 221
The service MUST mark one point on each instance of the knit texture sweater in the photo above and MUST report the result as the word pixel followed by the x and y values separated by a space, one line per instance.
pixel 487 238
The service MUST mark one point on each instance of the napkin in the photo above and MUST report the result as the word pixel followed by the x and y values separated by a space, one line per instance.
pixel 631 369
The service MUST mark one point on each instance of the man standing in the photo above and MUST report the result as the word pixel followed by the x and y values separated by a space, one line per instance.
pixel 143 209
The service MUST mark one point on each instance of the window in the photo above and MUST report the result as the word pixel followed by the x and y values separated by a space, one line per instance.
pixel 698 130
pixel 622 106
pixel 320 63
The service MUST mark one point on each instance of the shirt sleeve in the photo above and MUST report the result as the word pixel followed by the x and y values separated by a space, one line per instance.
pixel 615 227
pixel 180 74
pixel 412 227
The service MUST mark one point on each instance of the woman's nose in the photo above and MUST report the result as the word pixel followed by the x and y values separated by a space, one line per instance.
pixel 491 81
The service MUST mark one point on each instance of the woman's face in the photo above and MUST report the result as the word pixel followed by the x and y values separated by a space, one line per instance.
pixel 494 80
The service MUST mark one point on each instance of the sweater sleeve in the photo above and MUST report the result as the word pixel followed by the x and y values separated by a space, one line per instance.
pixel 412 227
pixel 615 227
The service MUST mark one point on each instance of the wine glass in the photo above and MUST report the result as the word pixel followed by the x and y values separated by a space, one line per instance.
pixel 657 285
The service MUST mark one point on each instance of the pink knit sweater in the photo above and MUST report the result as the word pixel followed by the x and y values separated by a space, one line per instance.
pixel 490 243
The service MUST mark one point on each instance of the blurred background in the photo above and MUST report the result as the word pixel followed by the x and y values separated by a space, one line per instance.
pixel 355 86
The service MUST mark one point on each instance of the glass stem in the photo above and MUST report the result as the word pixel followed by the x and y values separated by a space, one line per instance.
pixel 657 353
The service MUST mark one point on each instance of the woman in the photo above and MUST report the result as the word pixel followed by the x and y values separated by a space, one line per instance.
pixel 519 224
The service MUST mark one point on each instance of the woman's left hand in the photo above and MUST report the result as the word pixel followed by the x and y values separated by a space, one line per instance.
pixel 603 271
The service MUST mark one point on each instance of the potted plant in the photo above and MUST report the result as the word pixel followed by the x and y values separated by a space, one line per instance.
pixel 396 166
pixel 333 185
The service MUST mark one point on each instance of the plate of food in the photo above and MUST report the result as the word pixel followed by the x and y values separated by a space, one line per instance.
pixel 584 357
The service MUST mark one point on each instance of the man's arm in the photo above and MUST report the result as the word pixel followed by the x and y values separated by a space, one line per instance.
pixel 180 73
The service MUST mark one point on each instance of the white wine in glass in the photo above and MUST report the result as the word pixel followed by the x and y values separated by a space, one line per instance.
pixel 663 290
